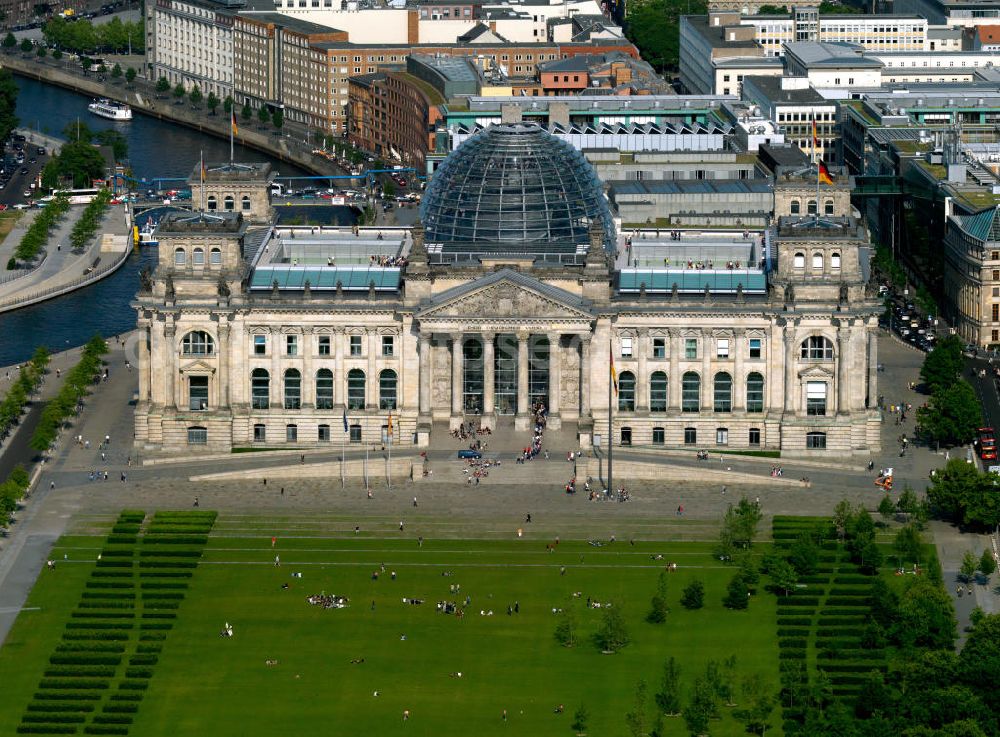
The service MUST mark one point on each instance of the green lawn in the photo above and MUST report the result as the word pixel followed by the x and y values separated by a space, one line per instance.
pixel 204 684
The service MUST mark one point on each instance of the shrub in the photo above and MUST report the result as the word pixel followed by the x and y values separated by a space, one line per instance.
pixel 112 719
pixel 105 729
pixel 89 647
pixel 80 671
pixel 793 643
pixel 80 706
pixel 73 683
pixel 120 708
pixel 95 635
pixel 138 672
pixel 62 659
pixel 694 595
pixel 67 696
pixel 46 729
pixel 134 685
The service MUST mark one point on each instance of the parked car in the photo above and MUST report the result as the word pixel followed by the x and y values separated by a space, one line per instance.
pixel 468 453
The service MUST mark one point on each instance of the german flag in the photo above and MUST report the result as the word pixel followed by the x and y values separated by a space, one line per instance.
pixel 232 122
pixel 614 375
pixel 815 136
pixel 389 429
pixel 824 174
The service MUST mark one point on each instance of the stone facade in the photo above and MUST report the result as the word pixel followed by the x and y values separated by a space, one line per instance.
pixel 243 188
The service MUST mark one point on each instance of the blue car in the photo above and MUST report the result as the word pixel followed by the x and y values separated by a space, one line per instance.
pixel 469 454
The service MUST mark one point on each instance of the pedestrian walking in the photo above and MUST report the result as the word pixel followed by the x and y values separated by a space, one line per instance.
pixel 528 517
pixel 196 501
pixel 723 491
pixel 277 561
pixel 414 501
pixel 52 484
pixel 401 525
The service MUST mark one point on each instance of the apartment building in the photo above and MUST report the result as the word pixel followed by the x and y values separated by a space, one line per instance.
pixel 953 12
pixel 793 105
pixel 194 44
pixel 874 32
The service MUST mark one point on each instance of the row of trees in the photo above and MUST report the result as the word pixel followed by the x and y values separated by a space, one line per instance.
pixel 74 389
pixel 89 220
pixel 78 162
pixel 37 234
pixel 28 380
pixel 11 492
pixel 84 37
pixel 196 97
pixel 953 412
pixel 654 27
pixel 961 493
pixel 8 104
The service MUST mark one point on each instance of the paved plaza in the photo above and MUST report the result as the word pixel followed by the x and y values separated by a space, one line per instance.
pixel 446 505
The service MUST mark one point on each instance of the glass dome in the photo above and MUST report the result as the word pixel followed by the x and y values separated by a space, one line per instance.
pixel 515 186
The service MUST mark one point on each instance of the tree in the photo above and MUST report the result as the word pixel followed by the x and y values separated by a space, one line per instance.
pixel 57 54
pixel 78 131
pixel 263 117
pixel 580 719
pixel 870 558
pixel 613 634
pixel 195 96
pixel 668 698
pixel 886 508
pixel 8 103
pixel 179 93
pixel 80 162
pixel 951 488
pixel 979 660
pixel 969 566
pixel 783 576
pixel 389 188
pixel 162 86
pixel 943 365
pixel 227 104
pixel 635 718
pixel 565 633
pixel 907 544
pixel 212 102
pixel 102 69
pixel 804 554
pixel 693 596
pixel 987 563
pixel 41 53
pixel 9 42
pixel 278 118
pixel 654 27
pixel 739 527
pixel 246 113
pixel 908 503
pixel 658 605
pixel 700 708
pixel 760 702
pixel 772 10
pixel 130 76
pixel 926 616
pixel 952 414
pixel 737 594
pixel 27 46
pixel 116 71
pixel 115 139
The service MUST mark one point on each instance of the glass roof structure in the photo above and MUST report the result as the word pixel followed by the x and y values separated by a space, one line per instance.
pixel 350 278
pixel 515 189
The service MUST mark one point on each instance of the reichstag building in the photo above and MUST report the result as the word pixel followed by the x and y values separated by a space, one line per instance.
pixel 514 291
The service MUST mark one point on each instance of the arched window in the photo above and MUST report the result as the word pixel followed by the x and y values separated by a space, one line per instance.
pixel 828 207
pixel 180 257
pixel 626 392
pixel 197 343
pixel 816 440
pixel 355 389
pixel 293 389
pixel 690 392
pixel 387 389
pixel 723 392
pixel 229 203
pixel 211 203
pixel 260 433
pixel 215 256
pixel 245 203
pixel 811 208
pixel 755 392
pixel 817 260
pixel 198 257
pixel 834 260
pixel 796 207
pixel 817 348
pixel 799 261
pixel 260 388
pixel 658 392
pixel 197 436
pixel 324 389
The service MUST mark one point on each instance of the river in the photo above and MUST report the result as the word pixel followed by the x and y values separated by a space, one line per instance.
pixel 156 149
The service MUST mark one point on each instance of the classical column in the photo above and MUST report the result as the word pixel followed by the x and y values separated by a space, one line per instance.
pixel 489 368
pixel 674 380
pixel 555 372
pixel 522 373
pixel 456 374
pixel 844 369
pixel 739 380
pixel 642 380
pixel 707 385
pixel 371 386
pixel 425 374
pixel 790 388
pixel 170 392
pixel 584 377
pixel 872 369
pixel 144 364
pixel 339 375
pixel 308 386
pixel 277 380
pixel 224 351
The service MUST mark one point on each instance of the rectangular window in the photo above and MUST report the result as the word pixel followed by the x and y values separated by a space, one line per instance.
pixel 722 348
pixel 291 433
pixel 721 436
pixel 659 436
pixel 816 398
pixel 754 436
pixel 755 345
pixel 355 345
pixel 324 345
pixel 690 348
pixel 355 433
pixel 198 393
pixel 323 434
pixel 995 336
pixel 626 347
pixel 690 436
pixel 659 348
pixel 259 345
pixel 816 440
pixel 387 345
pixel 291 345
pixel 259 433
pixel 197 436
pixel 995 310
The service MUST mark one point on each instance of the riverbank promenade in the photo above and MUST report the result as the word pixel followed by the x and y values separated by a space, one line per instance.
pixel 61 270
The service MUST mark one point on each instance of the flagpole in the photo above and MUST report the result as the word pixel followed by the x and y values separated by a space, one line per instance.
pixel 366 466
pixel 611 440
pixel 232 114
pixel 343 458
pixel 203 180
pixel 388 468
pixel 816 162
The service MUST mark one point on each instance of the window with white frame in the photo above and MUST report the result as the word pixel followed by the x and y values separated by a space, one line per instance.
pixel 291 345
pixel 626 347
pixel 816 398
pixel 755 347
pixel 722 348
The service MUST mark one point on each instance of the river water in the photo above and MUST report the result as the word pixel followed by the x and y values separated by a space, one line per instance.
pixel 156 149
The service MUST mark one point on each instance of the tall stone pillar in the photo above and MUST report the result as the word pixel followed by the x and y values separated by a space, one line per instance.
pixel 456 375
pixel 790 389
pixel 674 380
pixel 225 349
pixel 144 363
pixel 739 380
pixel 707 383
pixel 308 387
pixel 522 375
pixel 872 369
pixel 642 380
pixel 339 375
pixel 555 373
pixel 425 375
pixel 489 377
pixel 277 380
pixel 843 369
pixel 170 353
pixel 371 386
pixel 585 404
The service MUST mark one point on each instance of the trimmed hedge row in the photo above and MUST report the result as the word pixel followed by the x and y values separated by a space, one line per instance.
pixel 157 615
pixel 152 636
pixel 112 593
pixel 164 596
pixel 852 667
pixel 152 648
pixel 53 729
pixel 85 659
pixel 176 540
pixel 859 620
pixel 104 729
pixel 111 573
pixel 171 553
pixel 71 684
pixel 95 635
pixel 793 631
pixel 99 625
pixel 798 601
pixel 164 574
pixel 122 539
pixel 80 671
pixel 93 647
pixel 57 718
pixel 81 706
pixel 127 696
pixel 138 672
pixel 111 585
pixel 848 601
pixel 113 719
pixel 794 621
pixel 144 660
pixel 157 563
pixel 104 603
pixel 134 685
pixel 66 696
pixel 120 708
pixel 792 654
pixel 792 642
pixel 164 586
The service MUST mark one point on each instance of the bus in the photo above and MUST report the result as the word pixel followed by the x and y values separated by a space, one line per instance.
pixel 78 196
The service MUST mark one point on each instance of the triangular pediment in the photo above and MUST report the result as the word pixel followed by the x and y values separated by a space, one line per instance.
pixel 506 294
pixel 817 372
pixel 197 367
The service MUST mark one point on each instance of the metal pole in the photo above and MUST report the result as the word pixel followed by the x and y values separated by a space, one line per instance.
pixel 611 439
pixel 366 466
pixel 343 458
pixel 388 467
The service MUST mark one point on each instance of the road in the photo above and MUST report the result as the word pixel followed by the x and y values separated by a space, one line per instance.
pixel 21 175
